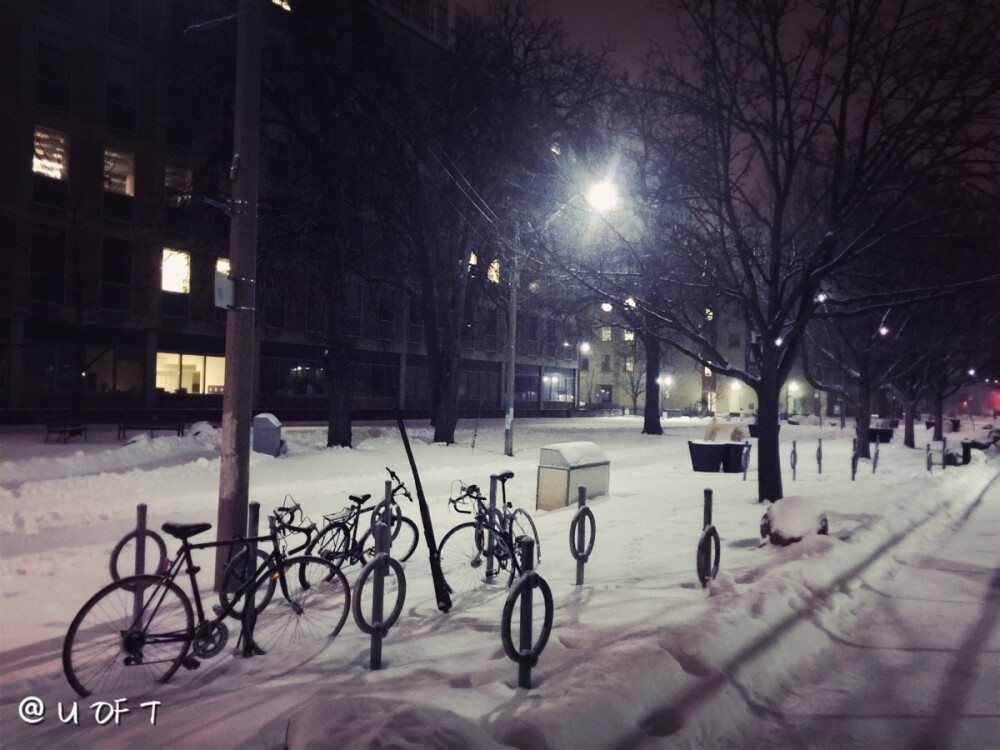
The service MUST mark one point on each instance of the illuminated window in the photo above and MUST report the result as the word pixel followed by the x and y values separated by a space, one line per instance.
pixel 222 265
pixel 176 269
pixel 708 372
pixel 629 364
pixel 283 4
pixel 119 172
pixel 51 156
pixel 494 273
pixel 709 313
pixel 606 333
pixel 628 335
pixel 177 182
pixel 190 373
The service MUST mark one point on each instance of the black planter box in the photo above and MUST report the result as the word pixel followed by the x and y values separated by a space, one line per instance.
pixel 755 429
pixel 732 457
pixel 706 456
pixel 882 434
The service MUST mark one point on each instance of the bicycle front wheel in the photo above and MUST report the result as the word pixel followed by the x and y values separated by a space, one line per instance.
pixel 132 632
pixel 332 544
pixel 522 525
pixel 236 580
pixel 463 554
pixel 308 608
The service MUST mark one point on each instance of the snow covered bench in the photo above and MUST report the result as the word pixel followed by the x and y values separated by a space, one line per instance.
pixel 152 424
pixel 64 428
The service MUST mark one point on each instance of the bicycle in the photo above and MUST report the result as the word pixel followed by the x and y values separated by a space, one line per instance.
pixel 485 551
pixel 142 629
pixel 338 542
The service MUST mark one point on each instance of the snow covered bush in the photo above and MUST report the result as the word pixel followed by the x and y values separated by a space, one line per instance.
pixel 790 519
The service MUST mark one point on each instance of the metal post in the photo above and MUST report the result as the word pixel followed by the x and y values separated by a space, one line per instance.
pixel 795 459
pixel 140 539
pixel 378 594
pixel 581 533
pixel 489 537
pixel 253 528
pixel 707 519
pixel 524 667
pixel 944 452
pixel 508 428
pixel 819 455
pixel 237 396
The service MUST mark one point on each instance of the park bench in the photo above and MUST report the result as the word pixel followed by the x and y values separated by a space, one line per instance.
pixel 153 424
pixel 63 428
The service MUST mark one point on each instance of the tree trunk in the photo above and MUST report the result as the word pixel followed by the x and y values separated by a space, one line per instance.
pixel 338 361
pixel 769 485
pixel 446 408
pixel 909 439
pixel 864 420
pixel 938 416
pixel 651 411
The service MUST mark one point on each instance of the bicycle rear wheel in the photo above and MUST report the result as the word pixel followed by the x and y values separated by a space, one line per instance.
pixel 522 525
pixel 312 613
pixel 332 544
pixel 132 632
pixel 401 546
pixel 463 554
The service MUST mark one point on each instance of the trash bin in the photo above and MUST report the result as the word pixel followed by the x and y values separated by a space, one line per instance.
pixel 267 435
pixel 966 452
pixel 562 467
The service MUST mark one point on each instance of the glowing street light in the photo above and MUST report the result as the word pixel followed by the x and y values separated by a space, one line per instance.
pixel 603 196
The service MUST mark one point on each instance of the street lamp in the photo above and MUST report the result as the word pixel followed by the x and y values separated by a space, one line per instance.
pixel 601 197
pixel 792 389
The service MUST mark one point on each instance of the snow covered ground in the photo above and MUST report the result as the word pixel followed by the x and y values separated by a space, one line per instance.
pixel 641 655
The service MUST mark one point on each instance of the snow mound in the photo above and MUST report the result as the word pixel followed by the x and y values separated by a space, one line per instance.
pixel 790 519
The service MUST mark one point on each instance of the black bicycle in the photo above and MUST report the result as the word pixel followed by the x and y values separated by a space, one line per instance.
pixel 485 551
pixel 142 629
pixel 339 543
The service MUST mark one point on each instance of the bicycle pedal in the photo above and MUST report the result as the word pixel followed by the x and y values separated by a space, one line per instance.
pixel 190 663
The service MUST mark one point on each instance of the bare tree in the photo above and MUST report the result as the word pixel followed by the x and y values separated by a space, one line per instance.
pixel 804 129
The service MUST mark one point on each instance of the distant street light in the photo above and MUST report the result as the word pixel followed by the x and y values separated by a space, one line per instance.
pixel 603 196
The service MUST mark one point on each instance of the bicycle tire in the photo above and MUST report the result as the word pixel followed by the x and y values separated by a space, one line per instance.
pixel 332 544
pixel 123 546
pixel 463 558
pixel 403 543
pixel 378 514
pixel 108 648
pixel 313 612
pixel 235 579
pixel 521 524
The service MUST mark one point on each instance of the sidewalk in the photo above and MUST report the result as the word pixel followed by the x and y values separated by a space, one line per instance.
pixel 915 671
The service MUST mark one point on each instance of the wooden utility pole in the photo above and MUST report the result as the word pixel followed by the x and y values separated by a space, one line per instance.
pixel 237 398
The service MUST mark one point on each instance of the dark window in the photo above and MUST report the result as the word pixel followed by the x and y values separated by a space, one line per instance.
pixel 584 364
pixel 116 275
pixel 174 304
pixel 316 312
pixel 734 340
pixel 52 81
pixel 48 261
pixel 606 363
pixel 386 315
pixel 50 367
pixel 123 19
pixel 62 7
pixel 120 94
pixel 274 304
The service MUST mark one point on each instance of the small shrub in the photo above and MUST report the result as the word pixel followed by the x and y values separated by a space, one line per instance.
pixel 712 430
pixel 737 434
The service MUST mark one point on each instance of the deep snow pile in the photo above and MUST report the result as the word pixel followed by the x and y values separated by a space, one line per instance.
pixel 636 654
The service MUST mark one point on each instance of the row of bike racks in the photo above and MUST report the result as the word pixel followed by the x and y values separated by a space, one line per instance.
pixel 521 598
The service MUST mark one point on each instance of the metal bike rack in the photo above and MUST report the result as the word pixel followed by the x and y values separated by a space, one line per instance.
pixel 875 456
pixel 854 460
pixel 794 458
pixel 579 547
pixel 819 456
pixel 526 655
pixel 378 627
pixel 708 568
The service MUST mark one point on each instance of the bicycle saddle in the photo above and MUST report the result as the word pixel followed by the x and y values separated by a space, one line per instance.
pixel 360 500
pixel 185 530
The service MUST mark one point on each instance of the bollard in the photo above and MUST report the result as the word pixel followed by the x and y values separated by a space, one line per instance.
pixel 795 458
pixel 854 460
pixel 930 458
pixel 707 568
pixel 526 655
pixel 875 456
pixel 253 524
pixel 578 545
pixel 140 536
pixel 746 458
pixel 379 626
pixel 944 452
pixel 819 456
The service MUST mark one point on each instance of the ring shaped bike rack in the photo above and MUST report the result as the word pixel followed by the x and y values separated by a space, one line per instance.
pixel 526 656
pixel 707 569
pixel 379 628
pixel 582 514
pixel 161 550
